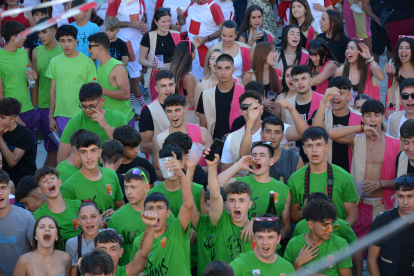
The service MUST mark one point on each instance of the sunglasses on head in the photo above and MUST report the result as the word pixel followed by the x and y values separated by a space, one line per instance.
pixel 400 179
pixel 267 218
pixel 405 36
pixel 163 9
pixel 245 107
pixel 138 172
pixel 405 96
pixel 335 226
pixel 258 143
pixel 317 42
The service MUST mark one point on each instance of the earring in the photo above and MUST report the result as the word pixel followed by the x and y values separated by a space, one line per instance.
pixel 36 238
pixel 250 23
pixel 56 239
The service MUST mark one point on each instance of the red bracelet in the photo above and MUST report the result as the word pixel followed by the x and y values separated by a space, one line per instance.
pixel 362 128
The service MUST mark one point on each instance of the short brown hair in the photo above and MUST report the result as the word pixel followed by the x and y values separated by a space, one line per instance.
pixel 40 173
pixel 238 187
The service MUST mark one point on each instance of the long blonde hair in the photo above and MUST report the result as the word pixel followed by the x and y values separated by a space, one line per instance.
pixel 207 69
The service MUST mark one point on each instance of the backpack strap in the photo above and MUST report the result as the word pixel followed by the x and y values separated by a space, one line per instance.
pixel 329 186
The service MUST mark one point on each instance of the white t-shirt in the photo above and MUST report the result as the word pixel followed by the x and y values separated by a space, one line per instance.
pixel 403 119
pixel 238 64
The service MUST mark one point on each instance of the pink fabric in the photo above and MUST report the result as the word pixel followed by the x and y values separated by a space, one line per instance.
pixel 321 88
pixel 278 75
pixel 304 58
pixel 350 21
pixel 316 99
pixel 195 133
pixel 370 89
pixel 311 32
pixel 354 120
pixel 235 108
pixel 269 38
pixel 245 53
pixel 361 228
pixel 386 97
pixel 392 148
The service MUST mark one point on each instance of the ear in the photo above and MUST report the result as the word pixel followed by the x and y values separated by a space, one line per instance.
pixel 311 81
pixel 100 153
pixel 13 120
pixel 327 147
pixel 272 161
pixel 119 162
pixel 185 109
pixel 156 88
pixel 102 102
pixel 168 213
pixel 310 225
pixel 117 31
pixel 250 204
pixel 60 182
pixel 122 252
pixel 36 196
pixel 101 160
pixel 383 117
pixel 350 96
pixel 147 188
pixel 77 153
pixel 234 70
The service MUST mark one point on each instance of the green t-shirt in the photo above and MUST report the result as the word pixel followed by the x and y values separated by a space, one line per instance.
pixel 44 56
pixel 121 271
pixel 65 170
pixel 170 252
pixel 205 243
pixel 247 264
pixel 344 231
pixel 67 220
pixel 261 194
pixel 69 75
pixel 325 251
pixel 103 192
pixel 228 245
pixel 13 67
pixel 102 73
pixel 82 121
pixel 127 222
pixel 343 187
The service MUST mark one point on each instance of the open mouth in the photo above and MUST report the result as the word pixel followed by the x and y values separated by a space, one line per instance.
pixel 266 250
pixel 52 188
pixel 90 228
pixel 315 156
pixel 257 166
pixel 1 199
pixel 158 223
pixel 301 87
pixel 47 237
pixel 403 56
pixel 373 126
pixel 410 105
pixel 237 214
pixel 175 121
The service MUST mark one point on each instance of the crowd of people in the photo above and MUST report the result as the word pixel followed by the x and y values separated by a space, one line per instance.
pixel 264 155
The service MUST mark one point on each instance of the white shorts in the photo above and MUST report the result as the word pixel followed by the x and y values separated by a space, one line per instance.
pixel 134 68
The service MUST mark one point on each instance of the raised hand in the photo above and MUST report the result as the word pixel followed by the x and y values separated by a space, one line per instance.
pixel 372 133
pixel 149 218
pixel 254 111
pixel 247 232
pixel 174 165
pixel 330 94
pixel 284 103
pixel 99 117
pixel 189 163
pixel 245 162
pixel 365 51
pixel 216 158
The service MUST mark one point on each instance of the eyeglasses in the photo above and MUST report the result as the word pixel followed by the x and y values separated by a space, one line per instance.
pixel 93 45
pixel 245 107
pixel 400 179
pixel 317 42
pixel 89 107
pixel 138 172
pixel 163 9
pixel 405 96
pixel 405 36
pixel 258 143
pixel 267 218
pixel 335 226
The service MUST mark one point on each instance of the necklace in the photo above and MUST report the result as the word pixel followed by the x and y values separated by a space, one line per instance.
pixel 87 243
pixel 291 56
pixel 44 258
pixel 162 42
pixel 44 53
pixel 294 54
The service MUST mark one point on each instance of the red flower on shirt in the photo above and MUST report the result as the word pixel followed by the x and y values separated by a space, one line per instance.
pixel 76 224
pixel 254 245
pixel 163 242
pixel 109 189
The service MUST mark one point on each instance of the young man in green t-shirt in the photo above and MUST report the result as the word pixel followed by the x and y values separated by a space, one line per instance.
pixel 306 250
pixel 218 268
pixel 262 184
pixel 112 76
pixel 67 73
pixel 228 226
pixel 14 76
pixel 170 253
pixel 41 57
pixel 28 195
pixel 73 163
pixel 93 118
pixel 315 178
pixel 101 185
pixel 267 230
pixel 63 210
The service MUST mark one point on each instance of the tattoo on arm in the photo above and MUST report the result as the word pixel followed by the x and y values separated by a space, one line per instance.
pixel 143 240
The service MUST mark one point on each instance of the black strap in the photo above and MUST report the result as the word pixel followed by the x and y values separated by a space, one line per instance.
pixel 284 62
pixel 329 186
pixel 79 246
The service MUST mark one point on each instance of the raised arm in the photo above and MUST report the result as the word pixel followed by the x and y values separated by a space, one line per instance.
pixel 293 133
pixel 216 201
pixel 327 72
pixel 243 164
pixel 344 135
pixel 320 114
pixel 375 69
pixel 252 114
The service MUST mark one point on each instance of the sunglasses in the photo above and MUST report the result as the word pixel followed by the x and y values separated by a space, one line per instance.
pixel 405 36
pixel 258 143
pixel 82 107
pixel 138 172
pixel 405 96
pixel 400 179
pixel 245 107
pixel 92 45
pixel 268 219
pixel 163 9
pixel 335 226
pixel 317 42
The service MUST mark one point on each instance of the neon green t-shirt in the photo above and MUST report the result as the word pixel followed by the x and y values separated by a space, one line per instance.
pixel 205 243
pixel 261 194
pixel 82 121
pixel 44 56
pixel 67 220
pixel 121 271
pixel 344 231
pixel 13 67
pixel 325 251
pixel 103 192
pixel 69 75
pixel 343 187
pixel 170 252
pixel 127 222
pixel 247 264
pixel 65 170
pixel 228 245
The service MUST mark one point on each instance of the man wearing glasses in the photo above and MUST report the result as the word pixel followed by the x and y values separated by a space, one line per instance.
pixel 93 118
pixel 405 159
pixel 67 73
pixel 305 250
pixel 263 260
pixel 399 117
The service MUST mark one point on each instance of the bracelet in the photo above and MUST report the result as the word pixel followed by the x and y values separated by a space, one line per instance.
pixel 370 60
pixel 362 128
pixel 372 65
pixel 380 186
pixel 249 132
pixel 209 38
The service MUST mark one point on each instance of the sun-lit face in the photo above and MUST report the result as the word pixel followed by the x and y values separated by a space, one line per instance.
pixel 49 185
pixel 273 133
pixel 4 195
pixel 318 228
pixel 256 18
pixel 163 213
pixel 175 115
pixel 164 23
pixel 228 36
pixel 250 101
pixel 68 44
pixel 89 156
pixel 302 83
pixel 114 250
pixel 405 200
pixel 271 58
pixel 315 150
pixel 408 104
pixel 289 80
pixel 46 233
pixel 408 146
pixel 404 52
pixel 212 61
pixel 262 159
pixel 351 52
pixel 298 10
pixel 112 34
pixel 47 36
pixel 136 190
pixel 266 243
pixel 165 88
pixel 224 71
pixel 239 205
pixel 373 120
pixel 293 37
pixel 341 101
pixel 325 23
pixel 89 219
pixel 358 104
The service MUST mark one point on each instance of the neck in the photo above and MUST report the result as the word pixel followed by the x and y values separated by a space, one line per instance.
pixel 292 92
pixel 409 115
pixel 113 167
pixel 300 20
pixel 225 87
pixel 353 65
pixel 318 168
pixel 90 237
pixel 266 68
pixel 56 205
pixel 162 33
pixel 407 65
pixel 15 6
pixel 276 153
pixel 214 77
pixel 171 186
pixel 5 211
pixel 242 223
pixel 160 100
pixel 74 53
pixel 10 47
pixel 311 237
pixel 73 160
pixel 182 128
pixel 104 58
pixel 52 45
pixel 45 252
pixel 304 98
pixel 92 175
pixel 329 34
pixel 268 260
pixel 139 206
pixel 264 178
pixel 82 23
pixel 341 112
pixel 290 49
pixel 114 39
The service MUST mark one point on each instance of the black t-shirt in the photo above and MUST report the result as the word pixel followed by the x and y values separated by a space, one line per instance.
pixel 304 112
pixel 145 122
pixel 410 169
pixel 118 49
pixel 223 106
pixel 122 184
pixel 31 42
pixel 21 137
pixel 338 47
pixel 407 252
pixel 377 6
pixel 200 177
pixel 139 162
pixel 403 10
pixel 165 46
pixel 241 122
pixel 340 151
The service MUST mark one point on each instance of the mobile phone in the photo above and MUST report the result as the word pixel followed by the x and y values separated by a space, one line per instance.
pixel 215 148
pixel 105 218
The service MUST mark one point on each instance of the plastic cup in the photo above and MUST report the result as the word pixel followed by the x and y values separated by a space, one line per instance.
pixel 271 95
pixel 196 151
pixel 11 199
pixel 160 61
pixel 55 137
pixel 358 187
pixel 165 173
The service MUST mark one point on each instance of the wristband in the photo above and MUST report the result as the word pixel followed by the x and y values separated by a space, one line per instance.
pixel 362 128
pixel 380 186
pixel 209 38
pixel 370 60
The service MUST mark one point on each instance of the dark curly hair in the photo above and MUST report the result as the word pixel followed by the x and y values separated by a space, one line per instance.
pixel 10 107
pixel 372 106
pixel 319 210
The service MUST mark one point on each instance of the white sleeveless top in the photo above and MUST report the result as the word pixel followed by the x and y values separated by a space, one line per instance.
pixel 238 64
